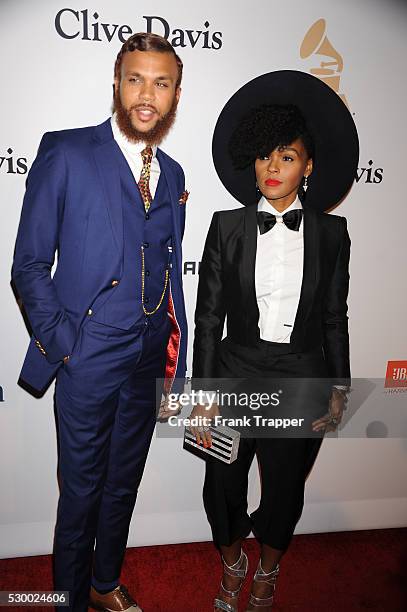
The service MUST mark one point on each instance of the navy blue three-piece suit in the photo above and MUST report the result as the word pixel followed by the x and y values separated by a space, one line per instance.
pixel 83 203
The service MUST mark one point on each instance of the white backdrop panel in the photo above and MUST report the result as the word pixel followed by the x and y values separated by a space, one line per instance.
pixel 51 82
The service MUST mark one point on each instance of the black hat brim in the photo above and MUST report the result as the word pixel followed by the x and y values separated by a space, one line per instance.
pixel 328 120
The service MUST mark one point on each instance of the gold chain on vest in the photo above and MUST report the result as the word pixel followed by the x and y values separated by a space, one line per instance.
pixel 143 273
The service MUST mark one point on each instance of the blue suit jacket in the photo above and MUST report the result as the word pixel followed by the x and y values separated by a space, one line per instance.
pixel 73 207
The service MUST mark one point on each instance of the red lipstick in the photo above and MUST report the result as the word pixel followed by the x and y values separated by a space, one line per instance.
pixel 273 182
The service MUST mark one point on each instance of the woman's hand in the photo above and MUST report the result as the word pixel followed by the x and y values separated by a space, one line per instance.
pixel 203 415
pixel 333 417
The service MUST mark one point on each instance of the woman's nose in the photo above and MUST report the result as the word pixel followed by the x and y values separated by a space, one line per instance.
pixel 273 165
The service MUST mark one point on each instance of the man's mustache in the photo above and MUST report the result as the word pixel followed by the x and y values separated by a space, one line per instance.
pixel 144 107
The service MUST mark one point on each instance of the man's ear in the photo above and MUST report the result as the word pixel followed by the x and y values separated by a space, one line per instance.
pixel 178 93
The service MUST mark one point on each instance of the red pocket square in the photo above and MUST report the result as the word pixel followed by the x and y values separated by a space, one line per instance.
pixel 184 197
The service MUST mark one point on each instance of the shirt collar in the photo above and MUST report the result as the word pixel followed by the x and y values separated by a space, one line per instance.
pixel 133 148
pixel 265 206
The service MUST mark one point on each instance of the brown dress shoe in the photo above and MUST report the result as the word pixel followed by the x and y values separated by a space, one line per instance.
pixel 117 600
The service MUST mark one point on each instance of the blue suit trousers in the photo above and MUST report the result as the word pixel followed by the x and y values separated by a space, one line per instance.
pixel 106 409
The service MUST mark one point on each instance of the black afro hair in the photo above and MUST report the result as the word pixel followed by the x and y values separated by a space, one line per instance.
pixel 264 129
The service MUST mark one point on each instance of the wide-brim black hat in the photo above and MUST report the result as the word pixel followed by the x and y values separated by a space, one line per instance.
pixel 328 120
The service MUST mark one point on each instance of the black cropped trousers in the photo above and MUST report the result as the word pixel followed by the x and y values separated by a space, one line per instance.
pixel 284 461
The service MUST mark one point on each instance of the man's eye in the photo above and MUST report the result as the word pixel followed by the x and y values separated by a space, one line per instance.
pixel 134 80
pixel 162 85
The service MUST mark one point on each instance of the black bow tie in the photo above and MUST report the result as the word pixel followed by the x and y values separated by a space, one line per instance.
pixel 292 220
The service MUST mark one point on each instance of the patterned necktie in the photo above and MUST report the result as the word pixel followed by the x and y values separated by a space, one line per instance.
pixel 144 182
pixel 292 219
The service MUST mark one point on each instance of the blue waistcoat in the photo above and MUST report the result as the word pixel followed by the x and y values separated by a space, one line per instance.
pixel 152 230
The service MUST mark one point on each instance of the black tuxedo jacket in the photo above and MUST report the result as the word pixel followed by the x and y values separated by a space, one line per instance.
pixel 227 289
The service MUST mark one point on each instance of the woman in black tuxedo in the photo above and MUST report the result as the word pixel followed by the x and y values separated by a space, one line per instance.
pixel 277 271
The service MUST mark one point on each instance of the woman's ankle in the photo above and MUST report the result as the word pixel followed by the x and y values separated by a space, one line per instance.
pixel 231 555
pixel 234 561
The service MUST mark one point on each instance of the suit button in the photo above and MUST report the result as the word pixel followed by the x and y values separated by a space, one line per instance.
pixel 146 300
pixel 90 311
pixel 146 245
pixel 147 272
pixel 114 283
pixel 147 216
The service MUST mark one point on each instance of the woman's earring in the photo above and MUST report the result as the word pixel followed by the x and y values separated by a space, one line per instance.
pixel 257 187
pixel 305 186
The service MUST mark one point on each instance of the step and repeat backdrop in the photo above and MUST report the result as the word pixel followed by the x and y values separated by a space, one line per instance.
pixel 57 73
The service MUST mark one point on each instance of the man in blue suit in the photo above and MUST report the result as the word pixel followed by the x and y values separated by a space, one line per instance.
pixel 111 320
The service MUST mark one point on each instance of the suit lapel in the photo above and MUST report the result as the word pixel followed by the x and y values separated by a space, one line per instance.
pixel 248 261
pixel 174 197
pixel 109 173
pixel 310 267
pixel 108 170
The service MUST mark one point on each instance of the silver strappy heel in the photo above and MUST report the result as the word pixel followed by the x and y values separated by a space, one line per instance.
pixel 270 578
pixel 231 570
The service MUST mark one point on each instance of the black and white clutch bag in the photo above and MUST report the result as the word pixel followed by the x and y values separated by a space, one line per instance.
pixel 225 444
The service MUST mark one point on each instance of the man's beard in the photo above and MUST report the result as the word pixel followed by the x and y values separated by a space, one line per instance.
pixel 151 137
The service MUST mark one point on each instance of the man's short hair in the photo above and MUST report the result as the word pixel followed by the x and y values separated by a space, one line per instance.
pixel 145 41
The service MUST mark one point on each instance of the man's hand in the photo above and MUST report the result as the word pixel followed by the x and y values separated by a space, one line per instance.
pixel 168 409
pixel 203 414
pixel 333 417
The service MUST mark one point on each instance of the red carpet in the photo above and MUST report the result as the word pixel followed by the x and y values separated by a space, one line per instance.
pixel 335 572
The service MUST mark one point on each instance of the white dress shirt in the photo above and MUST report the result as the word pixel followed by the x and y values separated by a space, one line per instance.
pixel 278 275
pixel 132 153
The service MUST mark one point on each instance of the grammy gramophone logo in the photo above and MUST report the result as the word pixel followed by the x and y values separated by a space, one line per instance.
pixel 317 46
